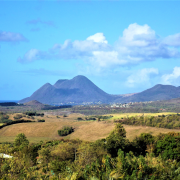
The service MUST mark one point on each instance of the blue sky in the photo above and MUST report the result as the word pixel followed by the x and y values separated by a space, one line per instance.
pixel 122 46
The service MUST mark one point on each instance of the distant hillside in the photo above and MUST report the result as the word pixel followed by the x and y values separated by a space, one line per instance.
pixel 34 103
pixel 78 90
pixel 172 105
pixel 158 92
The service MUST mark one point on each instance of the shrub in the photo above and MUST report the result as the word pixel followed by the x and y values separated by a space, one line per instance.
pixel 18 116
pixel 29 113
pixel 41 120
pixel 65 131
pixel 90 118
pixel 79 118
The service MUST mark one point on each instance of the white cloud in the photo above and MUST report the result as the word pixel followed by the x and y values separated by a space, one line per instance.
pixel 32 55
pixel 98 37
pixel 68 50
pixel 172 40
pixel 141 77
pixel 11 37
pixel 137 35
pixel 106 58
pixel 138 44
pixel 173 78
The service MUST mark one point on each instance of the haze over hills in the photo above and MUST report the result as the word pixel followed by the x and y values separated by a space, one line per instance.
pixel 81 90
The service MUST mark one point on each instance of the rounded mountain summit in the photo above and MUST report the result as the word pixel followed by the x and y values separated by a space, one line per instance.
pixel 77 90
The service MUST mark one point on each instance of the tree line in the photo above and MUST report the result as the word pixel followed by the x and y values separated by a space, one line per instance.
pixel 171 121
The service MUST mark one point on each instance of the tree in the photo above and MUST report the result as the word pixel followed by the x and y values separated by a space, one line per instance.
pixel 140 143
pixel 116 140
pixel 21 141
pixel 169 147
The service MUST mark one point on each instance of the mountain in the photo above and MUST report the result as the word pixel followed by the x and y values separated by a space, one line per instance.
pixel 158 92
pixel 78 90
pixel 81 90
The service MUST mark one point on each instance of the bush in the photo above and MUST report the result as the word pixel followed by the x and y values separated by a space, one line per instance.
pixel 65 131
pixel 79 119
pixel 29 113
pixel 5 121
pixel 18 116
pixel 90 118
pixel 41 120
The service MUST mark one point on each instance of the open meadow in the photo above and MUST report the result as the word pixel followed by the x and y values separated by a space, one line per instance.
pixel 83 130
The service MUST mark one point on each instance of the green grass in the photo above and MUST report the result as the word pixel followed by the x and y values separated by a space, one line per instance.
pixel 119 116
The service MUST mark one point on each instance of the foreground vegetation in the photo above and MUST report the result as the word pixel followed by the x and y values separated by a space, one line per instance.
pixel 115 157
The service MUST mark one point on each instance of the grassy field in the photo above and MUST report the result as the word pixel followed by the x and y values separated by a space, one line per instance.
pixel 119 116
pixel 84 130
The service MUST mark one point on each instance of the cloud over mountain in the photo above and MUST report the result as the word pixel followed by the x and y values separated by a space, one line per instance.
pixel 173 78
pixel 141 76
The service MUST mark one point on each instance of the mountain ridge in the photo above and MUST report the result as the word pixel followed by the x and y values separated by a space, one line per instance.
pixel 80 89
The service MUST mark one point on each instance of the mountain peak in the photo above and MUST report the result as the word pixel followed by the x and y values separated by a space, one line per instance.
pixel 80 77
pixel 59 82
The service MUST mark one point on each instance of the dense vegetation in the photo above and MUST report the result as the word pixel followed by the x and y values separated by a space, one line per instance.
pixel 65 131
pixel 172 105
pixel 30 113
pixel 146 157
pixel 171 121
pixel 8 104
pixel 10 122
pixel 4 119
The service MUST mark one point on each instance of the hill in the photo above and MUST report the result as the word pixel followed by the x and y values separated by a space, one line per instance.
pixel 78 90
pixel 34 103
pixel 158 92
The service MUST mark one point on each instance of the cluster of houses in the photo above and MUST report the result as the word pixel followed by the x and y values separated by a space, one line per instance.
pixel 127 105
pixel 119 105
